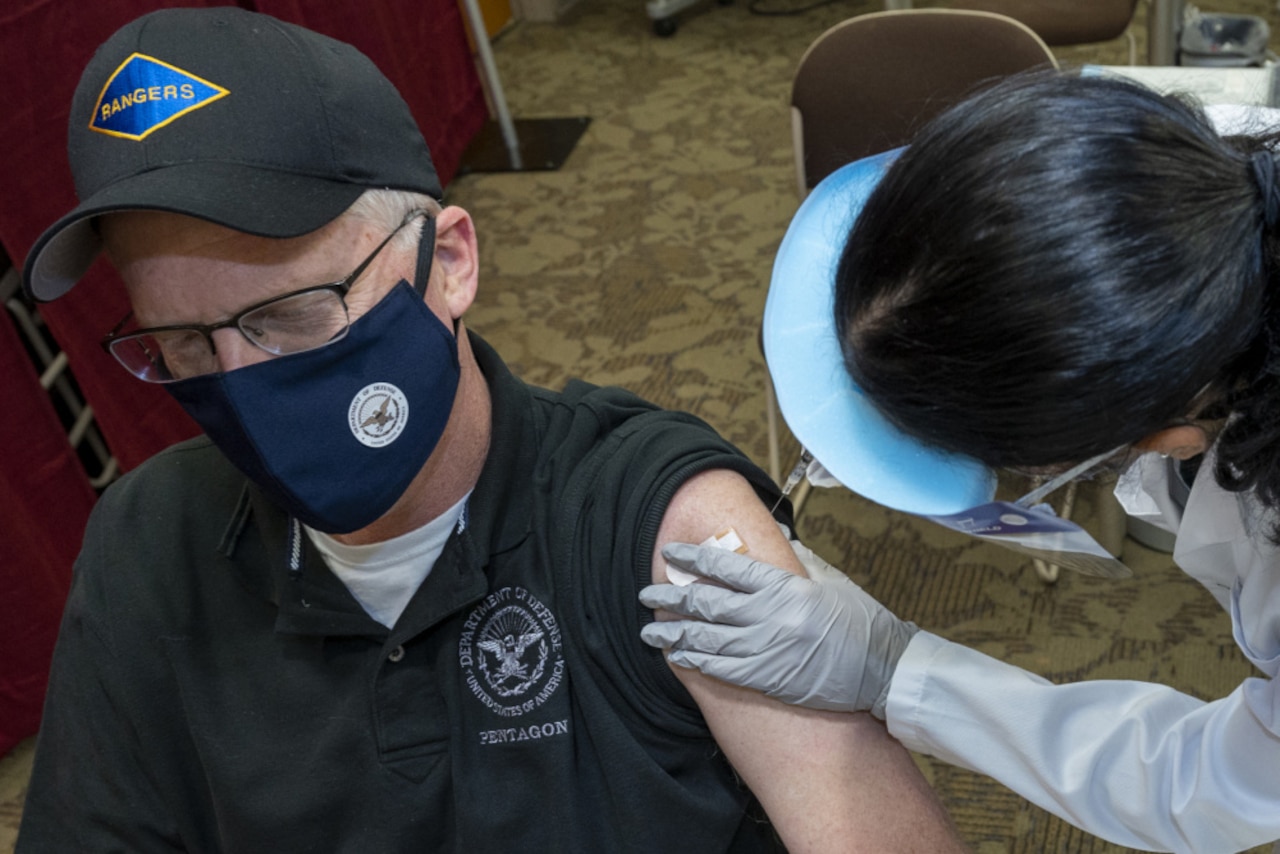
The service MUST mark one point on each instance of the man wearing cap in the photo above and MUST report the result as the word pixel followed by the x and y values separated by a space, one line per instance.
pixel 388 604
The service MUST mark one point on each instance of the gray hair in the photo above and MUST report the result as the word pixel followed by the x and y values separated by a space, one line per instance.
pixel 386 209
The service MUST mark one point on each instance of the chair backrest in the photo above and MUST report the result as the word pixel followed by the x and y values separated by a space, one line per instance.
pixel 869 83
pixel 1063 22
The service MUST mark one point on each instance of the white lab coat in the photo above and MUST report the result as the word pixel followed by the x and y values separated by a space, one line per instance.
pixel 1138 764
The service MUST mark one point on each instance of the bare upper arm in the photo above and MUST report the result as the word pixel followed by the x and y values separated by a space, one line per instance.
pixel 830 781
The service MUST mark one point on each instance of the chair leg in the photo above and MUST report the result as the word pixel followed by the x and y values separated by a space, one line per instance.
pixel 771 419
pixel 801 492
pixel 799 496
pixel 1049 572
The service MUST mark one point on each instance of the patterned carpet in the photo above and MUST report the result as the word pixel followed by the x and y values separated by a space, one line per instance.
pixel 644 262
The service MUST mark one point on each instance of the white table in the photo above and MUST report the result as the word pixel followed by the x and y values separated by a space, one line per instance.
pixel 1249 86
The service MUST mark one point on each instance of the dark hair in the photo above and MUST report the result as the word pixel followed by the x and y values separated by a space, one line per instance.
pixel 1059 265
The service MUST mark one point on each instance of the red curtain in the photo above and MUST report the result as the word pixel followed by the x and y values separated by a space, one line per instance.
pixel 44 494
pixel 44 501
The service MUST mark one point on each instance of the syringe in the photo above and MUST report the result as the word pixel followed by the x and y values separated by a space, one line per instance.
pixel 794 478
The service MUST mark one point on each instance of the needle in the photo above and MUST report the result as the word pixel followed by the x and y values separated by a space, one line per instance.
pixel 801 466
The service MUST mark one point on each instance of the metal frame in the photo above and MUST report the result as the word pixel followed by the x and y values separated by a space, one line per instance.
pixel 55 378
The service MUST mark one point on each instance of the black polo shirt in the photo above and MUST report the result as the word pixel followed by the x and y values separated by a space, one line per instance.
pixel 216 688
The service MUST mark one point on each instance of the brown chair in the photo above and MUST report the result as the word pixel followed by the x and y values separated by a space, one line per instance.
pixel 1065 22
pixel 1062 22
pixel 869 83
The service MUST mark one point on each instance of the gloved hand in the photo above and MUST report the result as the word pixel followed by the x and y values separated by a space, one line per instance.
pixel 820 642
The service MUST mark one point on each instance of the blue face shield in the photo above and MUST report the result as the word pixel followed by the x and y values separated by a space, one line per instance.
pixel 335 435
pixel 842 429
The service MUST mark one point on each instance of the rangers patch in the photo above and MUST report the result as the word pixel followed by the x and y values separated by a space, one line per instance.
pixel 145 94
pixel 511 652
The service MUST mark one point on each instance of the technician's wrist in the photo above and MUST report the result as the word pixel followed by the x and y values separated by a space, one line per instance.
pixel 910 630
pixel 904 632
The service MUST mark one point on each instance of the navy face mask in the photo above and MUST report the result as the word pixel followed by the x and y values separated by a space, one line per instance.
pixel 335 435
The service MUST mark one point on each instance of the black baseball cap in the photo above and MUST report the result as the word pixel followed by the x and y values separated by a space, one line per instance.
pixel 233 117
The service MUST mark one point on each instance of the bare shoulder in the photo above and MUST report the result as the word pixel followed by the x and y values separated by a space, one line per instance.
pixel 830 781
pixel 712 502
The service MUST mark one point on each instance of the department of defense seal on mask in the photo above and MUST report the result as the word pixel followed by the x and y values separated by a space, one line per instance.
pixel 377 414
pixel 511 652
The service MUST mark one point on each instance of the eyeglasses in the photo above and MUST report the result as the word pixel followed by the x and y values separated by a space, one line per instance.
pixel 296 322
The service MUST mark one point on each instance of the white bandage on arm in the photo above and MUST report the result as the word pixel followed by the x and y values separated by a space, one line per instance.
pixel 726 538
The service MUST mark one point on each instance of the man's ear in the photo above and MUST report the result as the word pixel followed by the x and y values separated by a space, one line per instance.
pixel 1181 442
pixel 455 269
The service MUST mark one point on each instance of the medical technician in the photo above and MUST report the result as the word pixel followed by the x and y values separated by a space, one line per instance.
pixel 1059 270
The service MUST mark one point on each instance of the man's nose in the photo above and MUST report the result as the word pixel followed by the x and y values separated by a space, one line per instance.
pixel 235 351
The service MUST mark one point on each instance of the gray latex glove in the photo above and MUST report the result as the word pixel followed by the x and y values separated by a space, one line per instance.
pixel 820 641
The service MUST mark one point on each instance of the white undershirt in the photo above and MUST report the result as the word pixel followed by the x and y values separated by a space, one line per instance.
pixel 384 576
